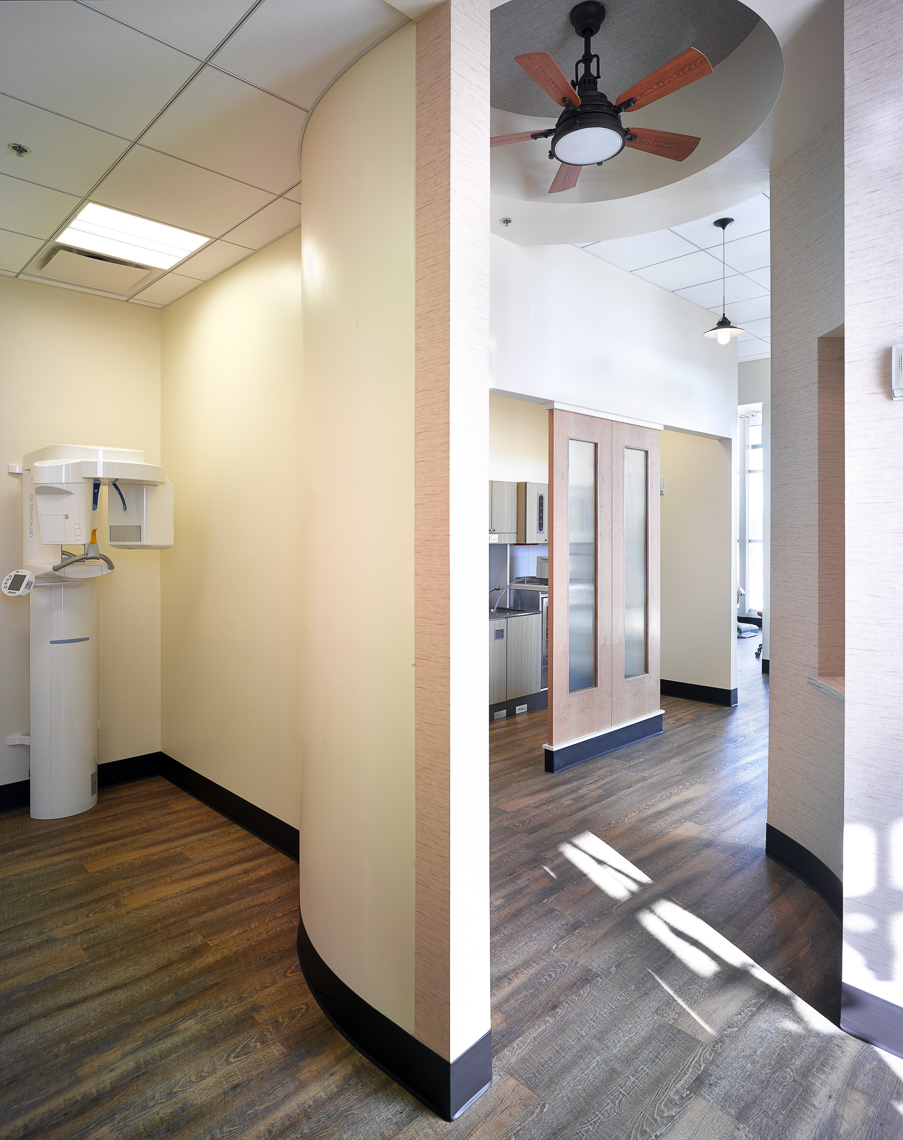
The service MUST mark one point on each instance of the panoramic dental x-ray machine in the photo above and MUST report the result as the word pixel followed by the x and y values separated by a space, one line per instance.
pixel 61 496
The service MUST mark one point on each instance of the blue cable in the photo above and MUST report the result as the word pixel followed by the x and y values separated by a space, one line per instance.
pixel 120 494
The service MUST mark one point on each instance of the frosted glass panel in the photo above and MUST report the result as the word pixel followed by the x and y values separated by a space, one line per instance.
pixel 634 562
pixel 581 565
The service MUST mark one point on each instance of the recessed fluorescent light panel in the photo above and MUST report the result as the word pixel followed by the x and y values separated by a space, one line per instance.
pixel 101 230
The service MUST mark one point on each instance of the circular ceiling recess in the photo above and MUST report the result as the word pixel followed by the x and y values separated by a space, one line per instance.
pixel 637 36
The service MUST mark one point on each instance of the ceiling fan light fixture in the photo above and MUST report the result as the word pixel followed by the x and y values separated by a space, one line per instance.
pixel 585 144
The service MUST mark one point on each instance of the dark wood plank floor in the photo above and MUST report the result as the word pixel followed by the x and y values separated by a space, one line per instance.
pixel 149 986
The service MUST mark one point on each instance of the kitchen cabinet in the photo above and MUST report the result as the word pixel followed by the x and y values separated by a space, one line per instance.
pixel 524 654
pixel 502 511
pixel 533 520
pixel 498 660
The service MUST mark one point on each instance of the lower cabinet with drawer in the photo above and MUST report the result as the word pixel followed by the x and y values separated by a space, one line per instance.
pixel 515 658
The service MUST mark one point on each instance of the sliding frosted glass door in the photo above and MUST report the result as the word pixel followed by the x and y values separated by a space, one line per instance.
pixel 604 575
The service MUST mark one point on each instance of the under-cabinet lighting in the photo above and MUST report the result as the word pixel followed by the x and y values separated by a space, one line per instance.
pixel 99 229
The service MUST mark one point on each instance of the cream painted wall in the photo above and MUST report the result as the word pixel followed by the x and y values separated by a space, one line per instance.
pixel 355 446
pixel 234 583
pixel 81 369
pixel 699 645
pixel 566 326
pixel 518 441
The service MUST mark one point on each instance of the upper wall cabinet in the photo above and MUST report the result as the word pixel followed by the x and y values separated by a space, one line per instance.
pixel 533 523
pixel 502 511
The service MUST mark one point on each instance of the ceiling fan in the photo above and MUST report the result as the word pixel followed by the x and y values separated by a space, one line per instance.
pixel 589 130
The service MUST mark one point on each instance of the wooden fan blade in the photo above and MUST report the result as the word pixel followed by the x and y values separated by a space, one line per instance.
pixel 543 70
pixel 565 179
pixel 503 140
pixel 664 143
pixel 683 70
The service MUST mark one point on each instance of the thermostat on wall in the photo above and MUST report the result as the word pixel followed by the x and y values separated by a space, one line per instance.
pixel 896 371
pixel 17 582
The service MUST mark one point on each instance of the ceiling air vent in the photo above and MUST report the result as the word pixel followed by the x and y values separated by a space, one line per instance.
pixel 94 271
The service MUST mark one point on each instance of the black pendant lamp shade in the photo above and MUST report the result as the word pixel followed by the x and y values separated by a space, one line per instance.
pixel 724 330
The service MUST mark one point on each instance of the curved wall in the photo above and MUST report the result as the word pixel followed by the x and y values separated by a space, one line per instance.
pixel 357 488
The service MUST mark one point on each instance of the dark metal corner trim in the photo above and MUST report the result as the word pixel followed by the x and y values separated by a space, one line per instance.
pixel 447 1087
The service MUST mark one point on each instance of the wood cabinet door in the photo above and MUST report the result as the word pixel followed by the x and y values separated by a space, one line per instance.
pixel 503 510
pixel 524 654
pixel 532 512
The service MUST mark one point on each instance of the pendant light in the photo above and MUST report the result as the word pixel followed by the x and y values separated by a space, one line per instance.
pixel 724 330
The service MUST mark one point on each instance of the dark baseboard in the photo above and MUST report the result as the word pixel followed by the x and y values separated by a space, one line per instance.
pixel 558 759
pixel 706 693
pixel 533 701
pixel 134 768
pixel 14 795
pixel 765 668
pixel 872 1019
pixel 267 827
pixel 447 1087
pixel 808 867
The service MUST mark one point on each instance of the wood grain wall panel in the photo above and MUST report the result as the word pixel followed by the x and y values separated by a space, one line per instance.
pixel 634 697
pixel 451 472
pixel 805 781
pixel 572 715
pixel 873 33
pixel 831 593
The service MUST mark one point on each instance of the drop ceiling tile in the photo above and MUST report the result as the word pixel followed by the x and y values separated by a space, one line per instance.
pixel 33 210
pixel 294 194
pixel 167 289
pixel 761 329
pixel 736 288
pixel 68 58
pixel 752 252
pixel 645 249
pixel 750 217
pixel 268 224
pixel 683 272
pixel 755 309
pixel 214 259
pixel 16 250
pixel 195 28
pixel 753 350
pixel 233 128
pixel 167 190
pixel 295 49
pixel 761 277
pixel 64 154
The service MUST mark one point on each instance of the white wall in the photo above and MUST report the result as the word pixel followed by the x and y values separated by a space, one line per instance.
pixel 699 645
pixel 233 582
pixel 568 327
pixel 355 443
pixel 81 369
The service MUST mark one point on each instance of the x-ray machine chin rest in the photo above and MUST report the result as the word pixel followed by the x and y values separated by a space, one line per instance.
pixel 61 492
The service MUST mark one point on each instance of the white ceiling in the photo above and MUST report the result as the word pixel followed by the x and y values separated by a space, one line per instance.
pixel 686 260
pixel 187 112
